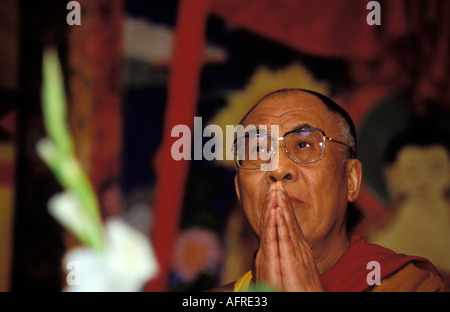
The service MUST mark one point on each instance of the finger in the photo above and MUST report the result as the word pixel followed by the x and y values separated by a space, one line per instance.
pixel 290 260
pixel 268 266
pixel 269 241
pixel 291 219
pixel 294 259
pixel 269 202
pixel 267 232
pixel 285 204
pixel 285 243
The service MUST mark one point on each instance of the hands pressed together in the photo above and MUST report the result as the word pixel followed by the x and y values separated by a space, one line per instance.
pixel 284 260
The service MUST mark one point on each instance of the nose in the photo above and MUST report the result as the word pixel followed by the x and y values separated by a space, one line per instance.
pixel 286 170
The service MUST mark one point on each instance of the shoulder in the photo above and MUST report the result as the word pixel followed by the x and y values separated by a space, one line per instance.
pixel 397 272
pixel 411 278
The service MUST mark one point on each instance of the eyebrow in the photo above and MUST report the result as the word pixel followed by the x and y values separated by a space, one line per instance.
pixel 290 129
pixel 298 127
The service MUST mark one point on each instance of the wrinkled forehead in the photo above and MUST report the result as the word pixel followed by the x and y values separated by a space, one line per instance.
pixel 289 112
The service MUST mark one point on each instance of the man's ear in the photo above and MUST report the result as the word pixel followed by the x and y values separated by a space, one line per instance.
pixel 236 186
pixel 354 178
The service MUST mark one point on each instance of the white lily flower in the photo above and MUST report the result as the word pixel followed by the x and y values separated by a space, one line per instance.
pixel 65 208
pixel 125 265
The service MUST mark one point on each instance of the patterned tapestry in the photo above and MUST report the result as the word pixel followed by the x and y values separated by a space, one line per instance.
pixel 136 72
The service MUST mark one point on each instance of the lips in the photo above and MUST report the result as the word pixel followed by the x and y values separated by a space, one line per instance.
pixel 295 200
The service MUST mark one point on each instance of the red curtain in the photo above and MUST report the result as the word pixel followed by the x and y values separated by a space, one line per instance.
pixel 181 108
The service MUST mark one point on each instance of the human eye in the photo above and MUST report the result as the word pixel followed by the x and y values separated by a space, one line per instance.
pixel 257 146
pixel 303 144
pixel 304 139
pixel 260 149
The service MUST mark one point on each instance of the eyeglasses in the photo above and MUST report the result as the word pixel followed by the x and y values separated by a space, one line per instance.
pixel 304 146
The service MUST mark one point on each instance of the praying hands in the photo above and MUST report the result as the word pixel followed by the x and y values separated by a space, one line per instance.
pixel 284 259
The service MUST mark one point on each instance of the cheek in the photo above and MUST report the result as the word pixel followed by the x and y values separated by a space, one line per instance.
pixel 328 199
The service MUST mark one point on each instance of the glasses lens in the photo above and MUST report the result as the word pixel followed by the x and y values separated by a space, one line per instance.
pixel 253 151
pixel 305 146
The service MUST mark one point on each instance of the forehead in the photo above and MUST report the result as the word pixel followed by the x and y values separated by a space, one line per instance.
pixel 291 111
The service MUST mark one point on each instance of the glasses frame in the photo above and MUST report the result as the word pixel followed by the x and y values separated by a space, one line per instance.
pixel 325 139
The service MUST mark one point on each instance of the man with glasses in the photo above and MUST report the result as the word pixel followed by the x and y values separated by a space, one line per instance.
pixel 295 175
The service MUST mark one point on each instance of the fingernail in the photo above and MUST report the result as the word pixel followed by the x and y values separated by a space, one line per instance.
pixel 281 186
pixel 281 211
pixel 282 195
pixel 271 188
